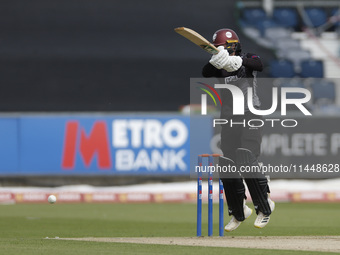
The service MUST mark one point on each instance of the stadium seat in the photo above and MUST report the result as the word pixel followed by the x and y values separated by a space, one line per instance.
pixel 282 68
pixel 265 24
pixel 311 68
pixel 253 15
pixel 291 83
pixel 317 16
pixel 286 17
pixel 297 56
pixel 323 91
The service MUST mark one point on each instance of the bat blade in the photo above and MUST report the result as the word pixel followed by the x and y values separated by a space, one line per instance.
pixel 197 39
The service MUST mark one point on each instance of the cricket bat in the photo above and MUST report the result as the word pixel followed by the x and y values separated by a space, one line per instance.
pixel 197 39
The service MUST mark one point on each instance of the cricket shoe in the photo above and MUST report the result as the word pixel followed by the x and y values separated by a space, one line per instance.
pixel 234 223
pixel 261 219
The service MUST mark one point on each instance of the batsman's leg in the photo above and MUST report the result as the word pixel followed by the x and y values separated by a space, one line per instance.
pixel 234 190
pixel 258 187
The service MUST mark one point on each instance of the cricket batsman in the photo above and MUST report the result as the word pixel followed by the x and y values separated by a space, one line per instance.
pixel 240 144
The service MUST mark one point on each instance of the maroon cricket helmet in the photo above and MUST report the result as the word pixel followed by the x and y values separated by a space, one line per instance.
pixel 225 35
pixel 228 37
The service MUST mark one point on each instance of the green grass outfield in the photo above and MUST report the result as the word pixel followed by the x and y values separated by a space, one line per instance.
pixel 24 227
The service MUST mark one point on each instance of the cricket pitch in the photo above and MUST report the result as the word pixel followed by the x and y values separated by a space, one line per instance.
pixel 302 243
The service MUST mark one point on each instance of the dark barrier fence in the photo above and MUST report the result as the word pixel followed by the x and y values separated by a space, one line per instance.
pixel 104 55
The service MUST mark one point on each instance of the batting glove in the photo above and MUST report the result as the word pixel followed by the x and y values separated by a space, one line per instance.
pixel 220 59
pixel 233 64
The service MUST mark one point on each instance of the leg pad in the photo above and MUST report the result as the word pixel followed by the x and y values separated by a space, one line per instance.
pixel 257 183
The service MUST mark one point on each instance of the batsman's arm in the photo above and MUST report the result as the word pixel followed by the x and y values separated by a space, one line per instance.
pixel 253 62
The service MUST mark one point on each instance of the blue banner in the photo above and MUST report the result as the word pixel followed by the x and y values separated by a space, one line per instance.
pixel 9 145
pixel 95 145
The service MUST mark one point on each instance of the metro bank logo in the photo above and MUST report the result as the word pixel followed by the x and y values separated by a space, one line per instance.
pixel 127 145
pixel 94 144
